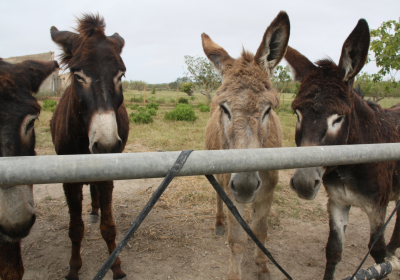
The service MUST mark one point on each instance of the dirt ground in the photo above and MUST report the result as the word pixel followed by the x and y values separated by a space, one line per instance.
pixel 177 241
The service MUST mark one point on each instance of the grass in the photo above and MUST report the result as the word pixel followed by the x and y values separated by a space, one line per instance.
pixel 167 135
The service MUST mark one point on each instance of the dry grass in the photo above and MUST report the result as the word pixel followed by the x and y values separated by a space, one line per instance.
pixel 191 192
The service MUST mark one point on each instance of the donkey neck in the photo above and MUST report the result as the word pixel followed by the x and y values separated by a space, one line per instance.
pixel 369 123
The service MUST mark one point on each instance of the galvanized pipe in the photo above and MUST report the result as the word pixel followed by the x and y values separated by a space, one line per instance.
pixel 102 167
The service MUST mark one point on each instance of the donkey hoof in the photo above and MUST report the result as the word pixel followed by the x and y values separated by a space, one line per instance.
pixel 123 278
pixel 93 218
pixel 219 230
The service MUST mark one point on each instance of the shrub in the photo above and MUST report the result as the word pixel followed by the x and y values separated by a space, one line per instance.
pixel 204 108
pixel 182 112
pixel 193 98
pixel 172 100
pixel 141 117
pixel 49 105
pixel 183 100
pixel 153 91
pixel 133 106
pixel 152 105
pixel 139 99
pixel 160 101
pixel 152 111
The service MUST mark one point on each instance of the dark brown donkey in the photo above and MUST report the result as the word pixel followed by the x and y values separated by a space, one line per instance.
pixel 18 112
pixel 91 118
pixel 243 117
pixel 330 113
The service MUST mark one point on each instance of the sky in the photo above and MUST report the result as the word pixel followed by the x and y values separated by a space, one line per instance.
pixel 158 34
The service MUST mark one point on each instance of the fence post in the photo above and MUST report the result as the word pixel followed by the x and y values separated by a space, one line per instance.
pixel 144 96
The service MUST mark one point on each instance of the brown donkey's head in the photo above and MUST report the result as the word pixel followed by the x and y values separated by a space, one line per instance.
pixel 325 101
pixel 18 112
pixel 242 110
pixel 96 69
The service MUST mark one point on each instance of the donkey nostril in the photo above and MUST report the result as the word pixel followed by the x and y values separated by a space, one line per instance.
pixel 258 185
pixel 317 183
pixel 233 186
pixel 292 184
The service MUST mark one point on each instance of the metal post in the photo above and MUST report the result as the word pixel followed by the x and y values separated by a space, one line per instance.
pixel 103 167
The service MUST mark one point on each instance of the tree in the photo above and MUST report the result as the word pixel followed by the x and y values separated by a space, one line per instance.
pixel 203 74
pixel 282 79
pixel 386 47
pixel 179 81
pixel 188 88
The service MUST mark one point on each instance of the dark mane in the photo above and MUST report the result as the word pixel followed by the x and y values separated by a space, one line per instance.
pixel 326 62
pixel 88 26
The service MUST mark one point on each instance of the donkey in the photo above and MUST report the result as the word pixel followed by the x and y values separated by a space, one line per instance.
pixel 18 112
pixel 329 112
pixel 91 118
pixel 242 117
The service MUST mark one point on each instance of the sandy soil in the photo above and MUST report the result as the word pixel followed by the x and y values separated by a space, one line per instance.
pixel 177 241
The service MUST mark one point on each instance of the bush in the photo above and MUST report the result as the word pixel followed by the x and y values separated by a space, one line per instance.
pixel 49 105
pixel 160 101
pixel 172 100
pixel 203 108
pixel 152 105
pixel 133 106
pixel 152 111
pixel 153 91
pixel 182 112
pixel 139 99
pixel 183 100
pixel 141 117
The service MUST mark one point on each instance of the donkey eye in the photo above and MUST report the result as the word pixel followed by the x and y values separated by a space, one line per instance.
pixel 79 78
pixel 338 120
pixel 266 113
pixel 120 77
pixel 30 124
pixel 226 111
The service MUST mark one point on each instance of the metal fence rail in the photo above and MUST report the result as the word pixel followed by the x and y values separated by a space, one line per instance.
pixel 102 167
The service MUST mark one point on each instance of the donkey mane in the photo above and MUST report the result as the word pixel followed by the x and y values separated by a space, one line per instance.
pixel 249 75
pixel 88 26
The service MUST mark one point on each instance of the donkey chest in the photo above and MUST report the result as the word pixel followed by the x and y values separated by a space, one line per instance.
pixel 346 192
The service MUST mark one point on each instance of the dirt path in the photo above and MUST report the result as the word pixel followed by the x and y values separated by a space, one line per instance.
pixel 177 239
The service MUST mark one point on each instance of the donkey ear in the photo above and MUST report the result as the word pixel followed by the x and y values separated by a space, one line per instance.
pixel 299 64
pixel 216 54
pixel 354 52
pixel 64 39
pixel 38 71
pixel 120 40
pixel 274 43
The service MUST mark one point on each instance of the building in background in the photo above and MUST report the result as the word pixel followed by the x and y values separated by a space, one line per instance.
pixel 53 84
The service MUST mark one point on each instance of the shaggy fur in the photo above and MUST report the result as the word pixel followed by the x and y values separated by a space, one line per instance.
pixel 326 92
pixel 17 84
pixel 242 116
pixel 96 71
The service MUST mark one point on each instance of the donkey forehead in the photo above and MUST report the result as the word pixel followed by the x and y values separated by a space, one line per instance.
pixel 98 54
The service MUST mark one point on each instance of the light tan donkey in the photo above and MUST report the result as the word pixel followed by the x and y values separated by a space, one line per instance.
pixel 243 117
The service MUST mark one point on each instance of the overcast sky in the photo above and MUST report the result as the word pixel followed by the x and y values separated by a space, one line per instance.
pixel 159 33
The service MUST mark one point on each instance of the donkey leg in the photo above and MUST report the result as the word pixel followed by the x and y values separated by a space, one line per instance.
pixel 261 208
pixel 11 266
pixel 395 240
pixel 94 194
pixel 338 219
pixel 73 194
pixel 237 242
pixel 107 224
pixel 376 220
pixel 219 217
